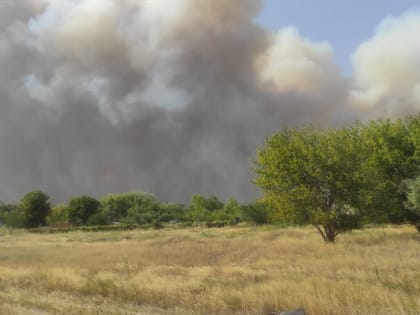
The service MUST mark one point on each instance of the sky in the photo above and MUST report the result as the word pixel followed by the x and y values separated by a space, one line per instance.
pixel 108 96
pixel 343 24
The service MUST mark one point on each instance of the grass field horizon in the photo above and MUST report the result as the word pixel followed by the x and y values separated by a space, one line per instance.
pixel 236 270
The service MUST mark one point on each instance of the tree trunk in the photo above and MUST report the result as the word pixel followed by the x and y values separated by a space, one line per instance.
pixel 329 233
pixel 417 225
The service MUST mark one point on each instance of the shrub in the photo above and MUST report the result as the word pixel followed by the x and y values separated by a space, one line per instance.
pixel 58 214
pixel 16 219
pixel 81 208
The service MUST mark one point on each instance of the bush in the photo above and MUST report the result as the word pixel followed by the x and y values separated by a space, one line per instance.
pixel 16 219
pixel 256 213
pixel 58 214
pixel 81 208
pixel 5 210
pixel 99 218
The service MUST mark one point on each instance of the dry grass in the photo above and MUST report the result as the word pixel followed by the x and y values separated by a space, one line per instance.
pixel 205 271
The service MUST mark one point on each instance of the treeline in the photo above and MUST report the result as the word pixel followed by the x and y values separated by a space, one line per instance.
pixel 125 209
pixel 336 180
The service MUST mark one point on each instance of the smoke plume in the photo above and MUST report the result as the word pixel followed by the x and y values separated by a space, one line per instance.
pixel 101 96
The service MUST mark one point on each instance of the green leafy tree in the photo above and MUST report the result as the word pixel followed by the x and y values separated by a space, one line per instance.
pixel 5 210
pixel 232 210
pixel 172 212
pixel 11 216
pixel 80 209
pixel 213 203
pixel 116 205
pixel 393 157
pixel 202 209
pixel 98 218
pixel 258 213
pixel 313 177
pixel 413 201
pixel 58 214
pixel 413 126
pixel 16 219
pixel 144 209
pixel 197 209
pixel 35 207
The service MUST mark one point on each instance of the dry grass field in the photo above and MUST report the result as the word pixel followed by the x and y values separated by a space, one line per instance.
pixel 239 270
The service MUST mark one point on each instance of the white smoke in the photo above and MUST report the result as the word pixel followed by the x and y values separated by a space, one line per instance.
pixel 295 63
pixel 101 96
pixel 387 68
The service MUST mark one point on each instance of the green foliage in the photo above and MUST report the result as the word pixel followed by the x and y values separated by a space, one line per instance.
pixel 313 177
pixel 144 210
pixel 197 211
pixel 228 213
pixel 393 156
pixel 58 214
pixel 413 126
pixel 99 218
pixel 413 201
pixel 257 213
pixel 81 208
pixel 34 207
pixel 11 216
pixel 16 219
pixel 117 205
pixel 139 208
pixel 204 209
pixel 171 212
pixel 232 210
pixel 212 204
pixel 5 210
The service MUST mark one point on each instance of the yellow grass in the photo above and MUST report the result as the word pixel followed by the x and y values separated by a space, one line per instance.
pixel 210 271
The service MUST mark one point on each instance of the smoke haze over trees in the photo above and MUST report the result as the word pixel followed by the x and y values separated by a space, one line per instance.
pixel 101 96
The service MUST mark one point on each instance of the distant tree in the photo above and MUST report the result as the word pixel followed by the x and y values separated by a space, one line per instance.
pixel 10 216
pixel 144 209
pixel 117 206
pixel 413 201
pixel 98 218
pixel 35 207
pixel 81 208
pixel 58 214
pixel 257 213
pixel 314 177
pixel 16 219
pixel 197 209
pixel 172 212
pixel 232 210
pixel 202 209
pixel 213 203
pixel 5 209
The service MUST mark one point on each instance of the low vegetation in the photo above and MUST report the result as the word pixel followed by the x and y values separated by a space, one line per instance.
pixel 239 270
